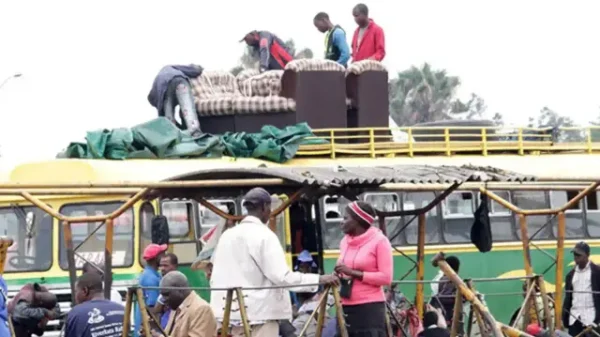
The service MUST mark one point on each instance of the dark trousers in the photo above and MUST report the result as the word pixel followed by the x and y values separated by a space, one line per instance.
pixel 576 328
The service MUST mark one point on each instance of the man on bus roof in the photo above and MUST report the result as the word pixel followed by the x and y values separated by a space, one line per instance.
pixel 274 54
pixel 336 46
pixel 368 42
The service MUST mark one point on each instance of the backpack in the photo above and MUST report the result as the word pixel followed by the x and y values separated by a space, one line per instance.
pixel 481 231
pixel 160 230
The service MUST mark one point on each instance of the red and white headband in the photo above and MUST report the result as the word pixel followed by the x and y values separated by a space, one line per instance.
pixel 361 213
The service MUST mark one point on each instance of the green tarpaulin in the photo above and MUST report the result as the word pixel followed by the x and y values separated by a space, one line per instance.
pixel 159 138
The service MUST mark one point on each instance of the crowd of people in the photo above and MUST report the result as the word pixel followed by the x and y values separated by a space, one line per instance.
pixel 172 85
pixel 279 301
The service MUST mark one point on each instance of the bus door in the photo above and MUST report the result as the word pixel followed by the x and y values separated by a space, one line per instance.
pixel 282 225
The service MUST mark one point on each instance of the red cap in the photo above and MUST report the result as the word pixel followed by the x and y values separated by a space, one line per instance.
pixel 533 329
pixel 153 250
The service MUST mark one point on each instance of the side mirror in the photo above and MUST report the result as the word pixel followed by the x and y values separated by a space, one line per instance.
pixel 160 230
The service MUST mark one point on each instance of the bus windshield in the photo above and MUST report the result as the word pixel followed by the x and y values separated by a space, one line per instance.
pixel 93 249
pixel 31 230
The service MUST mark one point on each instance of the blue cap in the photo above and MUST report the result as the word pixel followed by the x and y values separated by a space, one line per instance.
pixel 305 257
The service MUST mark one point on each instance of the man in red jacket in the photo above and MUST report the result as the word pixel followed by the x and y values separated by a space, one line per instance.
pixel 368 42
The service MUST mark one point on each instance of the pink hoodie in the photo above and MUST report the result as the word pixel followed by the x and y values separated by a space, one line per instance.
pixel 370 253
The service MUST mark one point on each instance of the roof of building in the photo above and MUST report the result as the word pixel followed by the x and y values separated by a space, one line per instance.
pixel 359 175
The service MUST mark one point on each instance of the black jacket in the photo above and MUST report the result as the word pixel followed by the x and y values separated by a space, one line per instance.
pixel 434 332
pixel 569 293
pixel 156 97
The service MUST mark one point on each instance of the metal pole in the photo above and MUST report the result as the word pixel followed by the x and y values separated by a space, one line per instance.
pixel 243 314
pixel 339 312
pixel 456 315
pixel 547 314
pixel 227 313
pixel 420 300
pixel 127 316
pixel 438 261
pixel 68 236
pixel 525 244
pixel 160 185
pixel 108 249
pixel 139 294
pixel 560 260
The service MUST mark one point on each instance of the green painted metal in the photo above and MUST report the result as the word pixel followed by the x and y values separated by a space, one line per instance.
pixel 507 263
pixel 59 280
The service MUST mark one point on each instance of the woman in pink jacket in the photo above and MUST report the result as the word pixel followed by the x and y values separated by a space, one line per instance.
pixel 365 266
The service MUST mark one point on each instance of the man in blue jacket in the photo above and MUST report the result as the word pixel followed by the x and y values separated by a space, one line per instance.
pixel 171 87
pixel 274 53
pixel 336 46
pixel 4 329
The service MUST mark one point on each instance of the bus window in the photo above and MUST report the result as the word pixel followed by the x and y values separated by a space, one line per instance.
pixel 146 214
pixel 533 200
pixel 93 249
pixel 574 224
pixel 387 202
pixel 433 224
pixel 209 219
pixel 332 210
pixel 592 214
pixel 31 231
pixel 179 216
pixel 496 208
pixel 501 220
pixel 459 204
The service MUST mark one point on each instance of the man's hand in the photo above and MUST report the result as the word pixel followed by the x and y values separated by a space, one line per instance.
pixel 51 314
pixel 156 333
pixel 329 280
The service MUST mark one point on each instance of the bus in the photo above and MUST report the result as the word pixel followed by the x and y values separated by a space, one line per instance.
pixel 39 255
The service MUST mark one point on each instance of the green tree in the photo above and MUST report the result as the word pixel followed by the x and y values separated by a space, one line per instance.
pixel 595 133
pixel 423 94
pixel 498 119
pixel 250 58
pixel 549 118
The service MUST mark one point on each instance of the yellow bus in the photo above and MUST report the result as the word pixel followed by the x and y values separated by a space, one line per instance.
pixel 39 255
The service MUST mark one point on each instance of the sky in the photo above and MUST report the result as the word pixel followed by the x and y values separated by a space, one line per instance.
pixel 89 65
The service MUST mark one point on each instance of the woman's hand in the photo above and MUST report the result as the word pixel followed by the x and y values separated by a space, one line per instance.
pixel 343 269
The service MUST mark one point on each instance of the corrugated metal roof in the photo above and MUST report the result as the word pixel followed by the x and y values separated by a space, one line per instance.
pixel 349 176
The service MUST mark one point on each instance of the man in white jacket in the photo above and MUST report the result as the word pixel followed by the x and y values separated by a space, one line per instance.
pixel 250 255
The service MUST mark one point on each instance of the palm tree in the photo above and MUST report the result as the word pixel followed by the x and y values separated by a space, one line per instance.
pixel 422 95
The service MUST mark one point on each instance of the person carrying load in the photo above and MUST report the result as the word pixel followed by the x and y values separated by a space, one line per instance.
pixel 171 87
pixel 273 52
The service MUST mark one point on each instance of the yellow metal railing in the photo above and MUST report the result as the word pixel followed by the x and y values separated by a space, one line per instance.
pixel 413 141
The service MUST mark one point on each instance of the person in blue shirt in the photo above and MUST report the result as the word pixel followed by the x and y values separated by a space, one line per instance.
pixel 150 277
pixel 336 46
pixel 4 329
pixel 94 315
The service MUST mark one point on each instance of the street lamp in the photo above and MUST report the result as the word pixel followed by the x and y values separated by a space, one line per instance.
pixel 17 75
